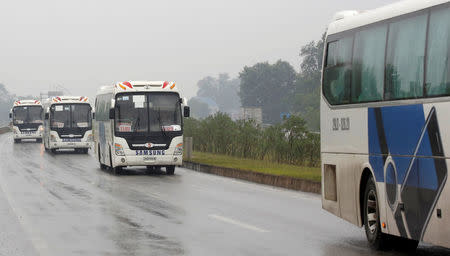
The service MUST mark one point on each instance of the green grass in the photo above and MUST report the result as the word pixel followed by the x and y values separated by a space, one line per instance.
pixel 309 173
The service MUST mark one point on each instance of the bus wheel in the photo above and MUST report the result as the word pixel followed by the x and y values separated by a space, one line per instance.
pixel 150 169
pixel 17 140
pixel 116 170
pixel 53 150
pixel 85 150
pixel 375 237
pixel 170 170
pixel 39 140
pixel 102 166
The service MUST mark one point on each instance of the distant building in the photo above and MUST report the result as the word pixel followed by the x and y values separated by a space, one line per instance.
pixel 50 94
pixel 252 114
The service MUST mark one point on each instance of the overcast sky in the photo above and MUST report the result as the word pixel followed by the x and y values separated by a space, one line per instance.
pixel 82 45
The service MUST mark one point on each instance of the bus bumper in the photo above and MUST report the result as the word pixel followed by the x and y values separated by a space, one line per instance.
pixel 58 143
pixel 139 160
pixel 26 135
pixel 69 145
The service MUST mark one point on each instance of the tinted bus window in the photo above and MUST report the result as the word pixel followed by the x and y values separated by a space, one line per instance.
pixel 368 65
pixel 405 58
pixel 337 73
pixel 438 52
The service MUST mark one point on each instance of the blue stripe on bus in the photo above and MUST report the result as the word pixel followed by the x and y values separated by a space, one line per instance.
pixel 402 129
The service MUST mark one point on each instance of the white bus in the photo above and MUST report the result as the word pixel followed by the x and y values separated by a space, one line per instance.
pixel 27 122
pixel 68 124
pixel 139 123
pixel 385 142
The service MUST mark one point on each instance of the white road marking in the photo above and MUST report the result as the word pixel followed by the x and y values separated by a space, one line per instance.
pixel 237 223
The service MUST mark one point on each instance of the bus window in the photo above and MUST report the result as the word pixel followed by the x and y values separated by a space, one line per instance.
pixel 81 116
pixel 438 52
pixel 131 113
pixel 337 73
pixel 60 117
pixel 368 65
pixel 165 112
pixel 405 58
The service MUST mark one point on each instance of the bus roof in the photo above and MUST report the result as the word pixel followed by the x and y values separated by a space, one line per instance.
pixel 27 103
pixel 348 20
pixel 67 99
pixel 139 86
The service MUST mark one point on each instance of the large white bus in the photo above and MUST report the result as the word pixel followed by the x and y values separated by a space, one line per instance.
pixel 139 123
pixel 68 124
pixel 27 122
pixel 385 137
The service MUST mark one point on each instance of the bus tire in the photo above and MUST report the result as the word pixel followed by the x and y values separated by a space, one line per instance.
pixel 85 150
pixel 39 140
pixel 17 140
pixel 150 169
pixel 115 170
pixel 102 166
pixel 375 237
pixel 53 150
pixel 170 170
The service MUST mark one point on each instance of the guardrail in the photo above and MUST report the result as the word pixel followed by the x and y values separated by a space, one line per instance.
pixel 5 129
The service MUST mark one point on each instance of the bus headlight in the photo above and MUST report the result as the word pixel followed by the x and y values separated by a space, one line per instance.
pixel 119 149
pixel 178 150
pixel 52 138
pixel 90 137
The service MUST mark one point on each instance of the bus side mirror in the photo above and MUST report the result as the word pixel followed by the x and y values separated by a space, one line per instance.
pixel 186 111
pixel 112 113
pixel 46 116
pixel 93 115
pixel 10 115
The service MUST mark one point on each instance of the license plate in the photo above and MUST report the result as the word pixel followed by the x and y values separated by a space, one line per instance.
pixel 149 159
pixel 71 140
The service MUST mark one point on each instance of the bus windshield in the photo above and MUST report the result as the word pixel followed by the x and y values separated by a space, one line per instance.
pixel 27 115
pixel 70 116
pixel 148 113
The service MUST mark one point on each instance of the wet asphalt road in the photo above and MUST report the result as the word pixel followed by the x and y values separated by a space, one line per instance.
pixel 64 204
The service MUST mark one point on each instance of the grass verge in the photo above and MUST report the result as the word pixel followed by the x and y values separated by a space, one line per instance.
pixel 308 173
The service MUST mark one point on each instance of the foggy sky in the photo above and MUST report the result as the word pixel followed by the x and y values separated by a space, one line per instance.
pixel 82 45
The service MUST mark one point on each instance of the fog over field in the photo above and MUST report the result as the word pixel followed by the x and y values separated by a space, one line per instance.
pixel 84 44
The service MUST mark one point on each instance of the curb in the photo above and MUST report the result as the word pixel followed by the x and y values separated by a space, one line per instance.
pixel 256 177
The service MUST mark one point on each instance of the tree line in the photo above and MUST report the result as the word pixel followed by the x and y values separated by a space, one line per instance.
pixel 275 88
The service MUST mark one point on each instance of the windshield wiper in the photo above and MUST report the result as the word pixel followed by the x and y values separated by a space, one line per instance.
pixel 159 123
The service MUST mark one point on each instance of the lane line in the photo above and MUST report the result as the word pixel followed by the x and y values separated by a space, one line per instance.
pixel 237 223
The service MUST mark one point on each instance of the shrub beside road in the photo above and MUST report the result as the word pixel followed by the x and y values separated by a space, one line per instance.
pixel 287 143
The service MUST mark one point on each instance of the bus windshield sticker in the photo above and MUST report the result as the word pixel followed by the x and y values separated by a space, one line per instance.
pixel 124 98
pixel 58 124
pixel 138 101
pixel 124 127
pixel 82 124
pixel 58 108
pixel 172 128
